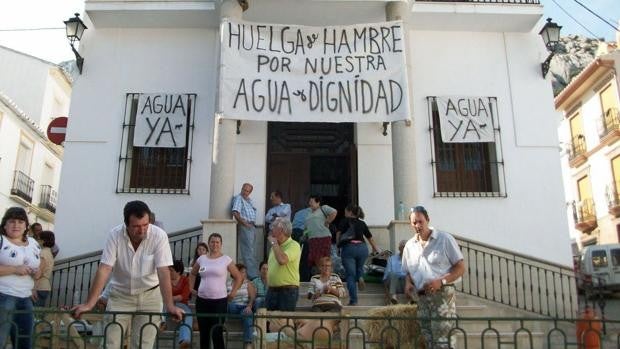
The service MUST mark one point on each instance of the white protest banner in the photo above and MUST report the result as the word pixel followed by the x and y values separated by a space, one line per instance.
pixel 466 119
pixel 278 72
pixel 161 121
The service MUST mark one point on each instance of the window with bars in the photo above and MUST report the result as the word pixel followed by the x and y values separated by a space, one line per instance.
pixel 473 169
pixel 156 169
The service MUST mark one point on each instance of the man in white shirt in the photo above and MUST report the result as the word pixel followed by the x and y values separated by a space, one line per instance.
pixel 433 262
pixel 137 255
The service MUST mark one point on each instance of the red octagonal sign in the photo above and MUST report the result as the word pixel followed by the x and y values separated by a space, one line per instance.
pixel 57 130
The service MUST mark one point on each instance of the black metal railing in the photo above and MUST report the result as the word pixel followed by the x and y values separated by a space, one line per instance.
pixel 610 121
pixel 584 211
pixel 335 330
pixel 578 147
pixel 492 273
pixel 72 277
pixel 23 186
pixel 48 198
pixel 517 280
pixel 524 2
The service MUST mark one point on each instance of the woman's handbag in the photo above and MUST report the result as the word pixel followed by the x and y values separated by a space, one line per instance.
pixel 347 236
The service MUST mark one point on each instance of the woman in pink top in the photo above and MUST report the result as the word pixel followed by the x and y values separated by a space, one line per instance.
pixel 213 297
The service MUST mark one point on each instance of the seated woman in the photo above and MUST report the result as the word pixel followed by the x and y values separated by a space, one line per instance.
pixel 260 283
pixel 242 303
pixel 326 291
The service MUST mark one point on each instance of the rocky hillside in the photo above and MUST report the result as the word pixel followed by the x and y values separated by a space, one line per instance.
pixel 574 53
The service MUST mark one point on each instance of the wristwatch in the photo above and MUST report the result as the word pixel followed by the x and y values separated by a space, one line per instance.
pixel 443 282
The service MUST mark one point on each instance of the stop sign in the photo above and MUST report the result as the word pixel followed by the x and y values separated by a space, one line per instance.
pixel 57 130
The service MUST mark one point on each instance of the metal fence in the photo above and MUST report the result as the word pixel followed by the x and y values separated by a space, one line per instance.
pixel 23 186
pixel 519 281
pixel 56 329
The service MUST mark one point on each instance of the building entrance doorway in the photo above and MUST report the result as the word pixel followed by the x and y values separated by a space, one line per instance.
pixel 312 158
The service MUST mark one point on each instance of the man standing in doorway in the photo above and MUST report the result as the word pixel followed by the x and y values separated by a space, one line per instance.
pixel 278 209
pixel 283 271
pixel 433 262
pixel 245 213
pixel 137 255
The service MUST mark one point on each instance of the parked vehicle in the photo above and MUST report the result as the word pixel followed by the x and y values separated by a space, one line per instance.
pixel 600 265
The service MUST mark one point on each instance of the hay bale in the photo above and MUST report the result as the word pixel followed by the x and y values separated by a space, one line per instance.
pixel 395 333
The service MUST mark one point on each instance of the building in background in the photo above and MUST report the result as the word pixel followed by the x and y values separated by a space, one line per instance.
pixel 32 93
pixel 589 134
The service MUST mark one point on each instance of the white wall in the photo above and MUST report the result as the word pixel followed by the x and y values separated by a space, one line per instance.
pixel 531 219
pixel 24 79
pixel 121 61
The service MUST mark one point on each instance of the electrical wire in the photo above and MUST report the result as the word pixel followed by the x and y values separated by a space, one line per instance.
pixel 30 29
pixel 574 19
pixel 599 17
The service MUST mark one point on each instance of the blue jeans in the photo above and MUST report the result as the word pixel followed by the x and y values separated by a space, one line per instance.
pixel 20 325
pixel 42 298
pixel 284 299
pixel 247 238
pixel 236 308
pixel 184 330
pixel 353 258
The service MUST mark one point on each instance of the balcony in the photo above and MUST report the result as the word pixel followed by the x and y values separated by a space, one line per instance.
pixel 610 126
pixel 22 186
pixel 584 215
pixel 48 198
pixel 577 152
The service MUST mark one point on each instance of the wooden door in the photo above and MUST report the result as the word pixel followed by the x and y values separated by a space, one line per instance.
pixel 290 174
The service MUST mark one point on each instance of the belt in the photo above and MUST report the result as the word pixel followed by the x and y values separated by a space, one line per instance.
pixel 424 293
pixel 281 288
pixel 152 288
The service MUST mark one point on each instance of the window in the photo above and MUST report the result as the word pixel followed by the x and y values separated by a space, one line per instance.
pixel 599 258
pixel 615 257
pixel 24 156
pixel 609 101
pixel 156 153
pixel 578 140
pixel 472 169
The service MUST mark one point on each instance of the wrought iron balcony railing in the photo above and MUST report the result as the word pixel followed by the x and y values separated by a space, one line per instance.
pixel 584 215
pixel 610 121
pixel 23 186
pixel 578 147
pixel 48 198
pixel 584 211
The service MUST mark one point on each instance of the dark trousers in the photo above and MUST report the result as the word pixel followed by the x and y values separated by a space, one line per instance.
pixel 305 270
pixel 284 299
pixel 211 327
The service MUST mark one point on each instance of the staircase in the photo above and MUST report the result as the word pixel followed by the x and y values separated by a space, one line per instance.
pixel 532 297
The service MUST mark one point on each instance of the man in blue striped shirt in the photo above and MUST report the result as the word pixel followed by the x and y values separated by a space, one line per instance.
pixel 244 211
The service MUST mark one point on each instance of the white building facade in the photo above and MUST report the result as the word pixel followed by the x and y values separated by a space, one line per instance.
pixel 589 132
pixel 506 193
pixel 32 93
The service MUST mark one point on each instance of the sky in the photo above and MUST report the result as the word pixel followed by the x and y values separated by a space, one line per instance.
pixel 52 45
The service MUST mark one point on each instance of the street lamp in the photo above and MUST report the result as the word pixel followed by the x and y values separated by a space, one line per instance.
pixel 551 36
pixel 75 29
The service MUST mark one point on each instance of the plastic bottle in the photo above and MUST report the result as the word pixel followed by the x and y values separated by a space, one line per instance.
pixel 401 211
